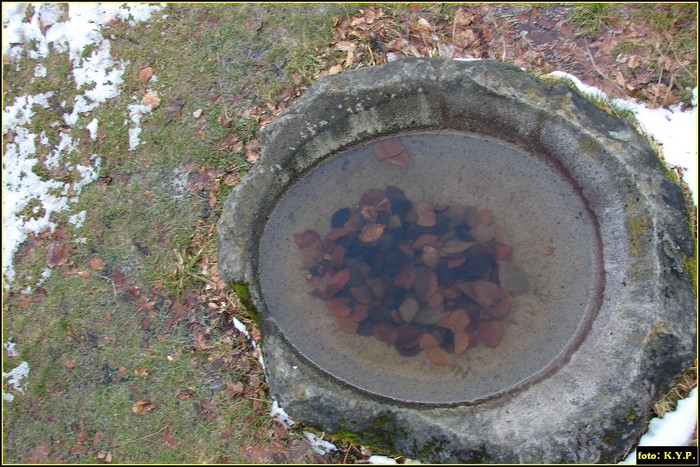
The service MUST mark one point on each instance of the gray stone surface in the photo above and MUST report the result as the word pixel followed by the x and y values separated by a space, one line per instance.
pixel 591 404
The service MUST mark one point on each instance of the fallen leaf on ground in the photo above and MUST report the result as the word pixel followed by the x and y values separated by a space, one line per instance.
pixel 150 99
pixel 231 143
pixel 252 151
pixel 78 449
pixel 96 263
pixel 234 389
pixel 169 439
pixel 142 407
pixel 173 110
pixel 104 456
pixel 145 74
pixel 99 436
pixel 56 254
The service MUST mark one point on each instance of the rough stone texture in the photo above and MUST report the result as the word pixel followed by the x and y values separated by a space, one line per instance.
pixel 590 409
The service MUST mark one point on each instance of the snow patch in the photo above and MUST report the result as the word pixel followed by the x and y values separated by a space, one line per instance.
pixel 78 219
pixel 10 349
pixel 319 445
pixel 674 429
pixel 668 126
pixel 40 71
pixel 280 415
pixel 15 378
pixel 92 128
pixel 136 112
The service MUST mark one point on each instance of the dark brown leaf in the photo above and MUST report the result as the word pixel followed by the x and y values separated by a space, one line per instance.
pixel 56 254
pixel 173 110
pixel 231 143
pixel 234 389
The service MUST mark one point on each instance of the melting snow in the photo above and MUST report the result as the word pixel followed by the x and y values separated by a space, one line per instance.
pixel 15 379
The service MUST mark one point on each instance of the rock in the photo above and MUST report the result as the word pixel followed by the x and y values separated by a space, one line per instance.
pixel 513 277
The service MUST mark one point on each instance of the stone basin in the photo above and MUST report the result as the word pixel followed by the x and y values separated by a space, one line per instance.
pixel 599 235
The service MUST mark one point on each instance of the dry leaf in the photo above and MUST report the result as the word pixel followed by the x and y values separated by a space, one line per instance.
pixel 68 363
pixel 231 143
pixel 426 214
pixel 78 449
pixel 150 99
pixel 39 455
pixel 84 274
pixel 96 263
pixel 104 456
pixel 99 436
pixel 372 232
pixel 140 372
pixel 252 151
pixel 142 407
pixel 81 436
pixel 56 254
pixel 234 389
pixel 491 332
pixel 185 394
pixel 169 440
pixel 338 308
pixel 173 110
pixel 392 152
pixel 335 69
pixel 439 356
pixel 145 74
pixel 463 18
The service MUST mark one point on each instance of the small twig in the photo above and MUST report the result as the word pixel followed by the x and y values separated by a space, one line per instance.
pixel 114 287
pixel 347 453
pixel 221 89
pixel 595 67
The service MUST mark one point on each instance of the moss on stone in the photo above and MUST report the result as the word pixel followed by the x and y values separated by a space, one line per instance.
pixel 638 227
pixel 243 294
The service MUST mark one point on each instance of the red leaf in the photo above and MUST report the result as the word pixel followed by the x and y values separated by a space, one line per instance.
pixel 338 308
pixel 502 251
pixel 169 440
pixel 491 332
pixel 391 151
pixel 439 356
